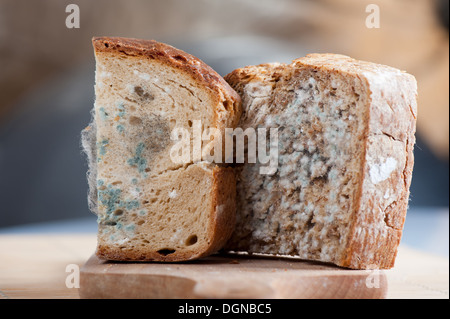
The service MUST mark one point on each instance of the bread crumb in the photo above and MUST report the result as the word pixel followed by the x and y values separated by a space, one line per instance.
pixel 143 76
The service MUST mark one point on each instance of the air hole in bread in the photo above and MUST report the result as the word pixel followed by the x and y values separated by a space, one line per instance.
pixel 118 212
pixel 110 223
pixel 135 120
pixel 191 240
pixel 309 223
pixel 180 58
pixel 166 251
pixel 139 90
pixel 226 105
pixel 141 93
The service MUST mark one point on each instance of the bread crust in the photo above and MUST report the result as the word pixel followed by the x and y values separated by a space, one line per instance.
pixel 224 216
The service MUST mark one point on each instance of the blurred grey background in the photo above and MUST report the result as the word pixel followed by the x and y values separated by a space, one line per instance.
pixel 47 77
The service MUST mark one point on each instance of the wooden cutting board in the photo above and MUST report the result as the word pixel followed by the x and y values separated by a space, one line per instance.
pixel 228 277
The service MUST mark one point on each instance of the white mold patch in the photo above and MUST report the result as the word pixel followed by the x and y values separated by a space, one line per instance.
pixel 142 75
pixel 382 171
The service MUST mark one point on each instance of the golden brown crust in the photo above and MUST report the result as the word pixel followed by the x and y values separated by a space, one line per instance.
pixel 268 72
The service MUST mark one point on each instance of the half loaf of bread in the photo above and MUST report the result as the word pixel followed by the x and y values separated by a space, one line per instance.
pixel 149 206
pixel 345 158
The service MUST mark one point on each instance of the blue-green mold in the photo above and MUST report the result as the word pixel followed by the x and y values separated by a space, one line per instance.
pixel 138 160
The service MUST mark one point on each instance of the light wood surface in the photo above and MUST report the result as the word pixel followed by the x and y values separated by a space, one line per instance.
pixel 229 277
pixel 34 266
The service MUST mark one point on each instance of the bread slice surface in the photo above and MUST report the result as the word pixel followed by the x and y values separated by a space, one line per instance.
pixel 346 136
pixel 150 206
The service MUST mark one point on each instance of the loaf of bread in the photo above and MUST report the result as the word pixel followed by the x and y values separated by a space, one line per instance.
pixel 149 206
pixel 345 158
